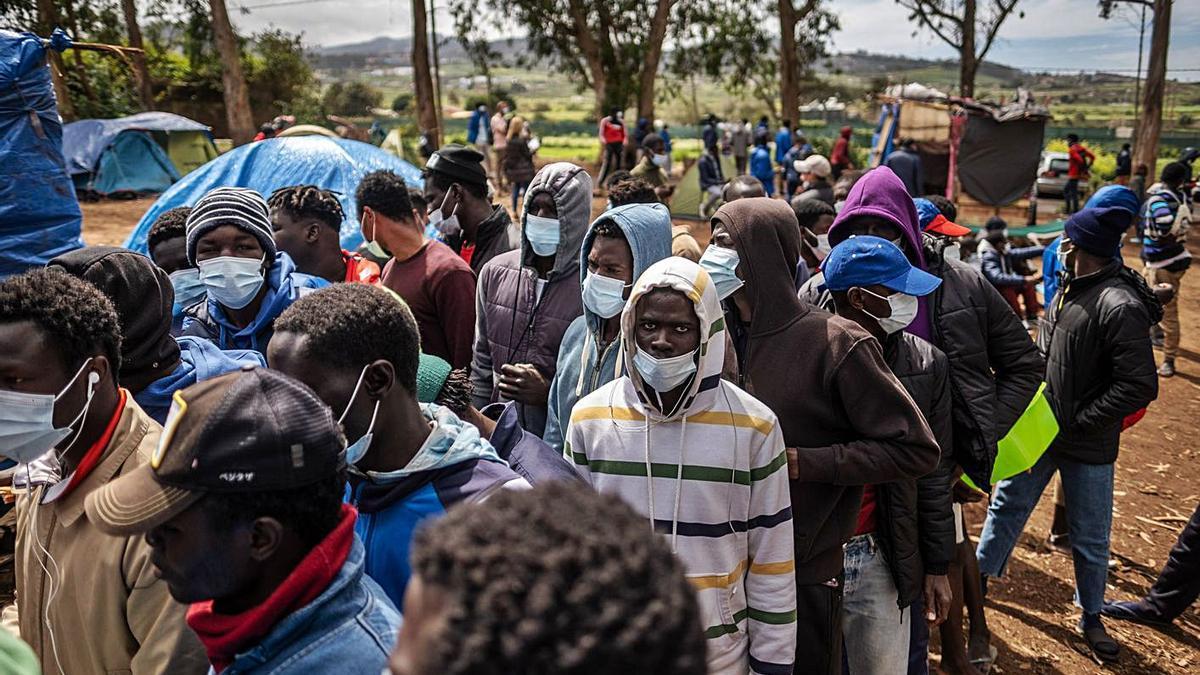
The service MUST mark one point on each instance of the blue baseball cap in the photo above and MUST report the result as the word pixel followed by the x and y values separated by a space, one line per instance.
pixel 1115 196
pixel 867 261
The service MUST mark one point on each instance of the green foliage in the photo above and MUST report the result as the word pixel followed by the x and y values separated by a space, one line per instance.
pixel 402 101
pixel 350 98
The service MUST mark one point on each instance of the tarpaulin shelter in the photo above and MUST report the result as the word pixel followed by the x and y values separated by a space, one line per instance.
pixel 971 151
pixel 331 163
pixel 39 214
pixel 688 197
pixel 146 152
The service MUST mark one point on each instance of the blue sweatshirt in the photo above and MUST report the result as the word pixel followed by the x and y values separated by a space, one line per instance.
pixel 198 360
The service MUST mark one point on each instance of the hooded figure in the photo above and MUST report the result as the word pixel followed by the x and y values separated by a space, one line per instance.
pixel 720 489
pixel 521 316
pixel 995 369
pixel 154 365
pixel 844 414
pixel 585 360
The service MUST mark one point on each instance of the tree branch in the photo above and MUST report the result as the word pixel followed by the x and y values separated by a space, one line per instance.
pixel 1003 11
pixel 923 10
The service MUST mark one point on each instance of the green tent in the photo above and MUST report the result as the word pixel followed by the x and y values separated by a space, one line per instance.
pixel 189 150
pixel 688 198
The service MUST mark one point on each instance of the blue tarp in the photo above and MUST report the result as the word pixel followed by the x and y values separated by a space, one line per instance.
pixel 39 214
pixel 84 141
pixel 333 164
pixel 133 163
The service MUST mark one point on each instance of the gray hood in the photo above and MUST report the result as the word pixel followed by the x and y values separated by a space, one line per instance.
pixel 571 187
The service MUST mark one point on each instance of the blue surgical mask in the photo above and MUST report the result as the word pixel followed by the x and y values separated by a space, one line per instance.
pixel 721 264
pixel 358 449
pixel 27 429
pixel 188 288
pixel 543 234
pixel 232 281
pixel 660 160
pixel 604 296
pixel 663 375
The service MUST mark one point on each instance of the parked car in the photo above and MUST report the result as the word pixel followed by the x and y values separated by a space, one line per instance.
pixel 1052 176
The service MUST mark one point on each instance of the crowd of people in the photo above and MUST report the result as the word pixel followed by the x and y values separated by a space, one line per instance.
pixel 566 443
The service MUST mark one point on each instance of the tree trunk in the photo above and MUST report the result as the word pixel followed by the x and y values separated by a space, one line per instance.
pixel 789 64
pixel 1145 148
pixel 658 32
pixel 81 73
pixel 591 55
pixel 237 98
pixel 968 63
pixel 140 72
pixel 47 22
pixel 427 117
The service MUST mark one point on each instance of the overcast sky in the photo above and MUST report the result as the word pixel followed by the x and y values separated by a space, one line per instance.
pixel 1064 34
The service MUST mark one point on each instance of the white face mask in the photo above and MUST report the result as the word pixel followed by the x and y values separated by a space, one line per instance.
pixel 27 429
pixel 604 296
pixel 543 234
pixel 232 281
pixel 904 310
pixel 823 246
pixel 663 375
pixel 952 251
pixel 1063 255
pixel 660 160
pixel 721 264
pixel 373 245
pixel 447 225
pixel 358 449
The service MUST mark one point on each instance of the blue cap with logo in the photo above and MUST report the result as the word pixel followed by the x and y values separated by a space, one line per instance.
pixel 867 261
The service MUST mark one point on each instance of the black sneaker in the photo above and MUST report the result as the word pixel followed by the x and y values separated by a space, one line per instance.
pixel 1167 369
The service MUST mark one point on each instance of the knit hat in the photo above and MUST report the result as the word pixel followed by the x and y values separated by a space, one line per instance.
pixel 432 372
pixel 1098 231
pixel 459 163
pixel 244 209
pixel 142 295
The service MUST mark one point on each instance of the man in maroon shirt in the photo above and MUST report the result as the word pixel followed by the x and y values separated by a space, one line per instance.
pixel 437 284
pixel 1079 161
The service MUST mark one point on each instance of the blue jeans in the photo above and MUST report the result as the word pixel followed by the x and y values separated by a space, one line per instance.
pixel 1088 491
pixel 518 189
pixel 875 629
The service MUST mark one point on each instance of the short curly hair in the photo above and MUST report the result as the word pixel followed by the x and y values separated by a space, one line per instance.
pixel 168 225
pixel 528 591
pixel 631 191
pixel 351 325
pixel 77 319
pixel 386 192
pixel 309 201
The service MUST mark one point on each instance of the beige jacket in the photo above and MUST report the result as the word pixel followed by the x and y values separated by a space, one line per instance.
pixel 108 611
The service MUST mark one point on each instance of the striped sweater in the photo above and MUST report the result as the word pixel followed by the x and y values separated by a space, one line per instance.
pixel 719 488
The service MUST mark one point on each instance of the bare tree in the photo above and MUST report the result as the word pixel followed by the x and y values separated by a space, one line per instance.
pixel 961 24
pixel 658 32
pixel 140 72
pixel 790 61
pixel 237 98
pixel 427 113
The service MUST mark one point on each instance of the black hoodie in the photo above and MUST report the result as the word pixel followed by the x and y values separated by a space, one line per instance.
pixel 838 403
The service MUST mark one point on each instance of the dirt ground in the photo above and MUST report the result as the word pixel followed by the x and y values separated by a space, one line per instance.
pixel 1030 612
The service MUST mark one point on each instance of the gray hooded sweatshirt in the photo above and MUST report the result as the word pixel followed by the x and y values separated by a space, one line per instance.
pixel 519 318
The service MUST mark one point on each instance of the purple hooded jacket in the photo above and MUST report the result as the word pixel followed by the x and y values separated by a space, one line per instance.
pixel 882 194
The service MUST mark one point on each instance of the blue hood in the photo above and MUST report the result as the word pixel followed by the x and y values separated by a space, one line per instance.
pixel 284 286
pixel 452 441
pixel 199 360
pixel 647 228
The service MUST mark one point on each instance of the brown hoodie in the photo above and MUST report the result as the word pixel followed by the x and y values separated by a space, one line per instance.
pixel 825 377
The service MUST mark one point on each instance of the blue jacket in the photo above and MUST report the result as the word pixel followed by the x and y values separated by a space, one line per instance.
pixel 907 166
pixel 666 136
pixel 285 285
pixel 1050 271
pixel 350 628
pixel 584 365
pixel 454 465
pixel 198 360
pixel 783 141
pixel 710 171
pixel 526 454
pixel 997 265
pixel 479 122
pixel 760 164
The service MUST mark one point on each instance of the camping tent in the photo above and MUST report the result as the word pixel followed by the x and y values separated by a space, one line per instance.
pixel 101 157
pixel 39 214
pixel 334 164
pixel 686 201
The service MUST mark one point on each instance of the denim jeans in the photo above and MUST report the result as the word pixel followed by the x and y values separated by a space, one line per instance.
pixel 876 630
pixel 1088 491
pixel 1071 195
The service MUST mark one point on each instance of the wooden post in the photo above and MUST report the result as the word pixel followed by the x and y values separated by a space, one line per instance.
pixel 1145 147
pixel 427 118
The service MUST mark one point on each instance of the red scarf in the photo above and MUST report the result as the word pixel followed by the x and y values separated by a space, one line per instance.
pixel 226 635
pixel 92 457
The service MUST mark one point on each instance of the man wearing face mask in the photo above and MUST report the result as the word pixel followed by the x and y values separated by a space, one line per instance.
pixel 460 209
pixel 358 348
pixel 87 602
pixel 846 420
pixel 941 233
pixel 437 285
pixel 618 247
pixel 904 539
pixel 719 487
pixel 527 298
pixel 167 245
pixel 651 168
pixel 1099 369
pixel 249 283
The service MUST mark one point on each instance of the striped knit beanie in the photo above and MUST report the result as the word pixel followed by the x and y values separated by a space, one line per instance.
pixel 240 207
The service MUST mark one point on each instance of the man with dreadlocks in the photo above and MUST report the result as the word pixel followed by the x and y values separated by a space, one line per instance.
pixel 307 221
